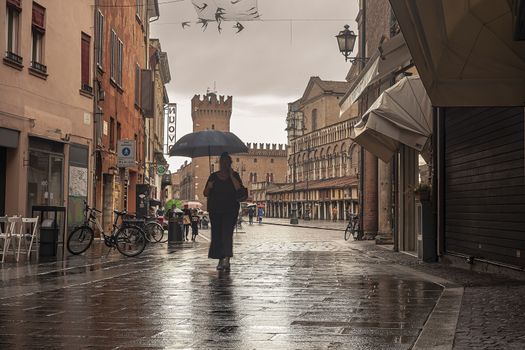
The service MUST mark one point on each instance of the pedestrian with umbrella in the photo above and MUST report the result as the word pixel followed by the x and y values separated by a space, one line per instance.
pixel 224 189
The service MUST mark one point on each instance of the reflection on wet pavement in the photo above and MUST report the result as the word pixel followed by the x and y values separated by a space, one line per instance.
pixel 288 289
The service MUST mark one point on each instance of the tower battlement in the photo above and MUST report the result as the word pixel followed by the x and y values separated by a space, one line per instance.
pixel 267 149
pixel 211 112
pixel 211 101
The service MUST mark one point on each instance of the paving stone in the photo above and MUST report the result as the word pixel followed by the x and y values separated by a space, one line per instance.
pixel 289 288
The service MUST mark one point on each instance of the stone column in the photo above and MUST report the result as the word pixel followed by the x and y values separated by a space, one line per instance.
pixel 384 235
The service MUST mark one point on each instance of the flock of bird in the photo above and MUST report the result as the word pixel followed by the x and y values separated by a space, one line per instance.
pixel 252 13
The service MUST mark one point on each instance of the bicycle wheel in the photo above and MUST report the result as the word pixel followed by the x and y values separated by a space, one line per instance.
pixel 154 232
pixel 80 240
pixel 348 232
pixel 130 240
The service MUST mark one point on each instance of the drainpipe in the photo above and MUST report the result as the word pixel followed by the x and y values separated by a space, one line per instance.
pixel 93 201
pixel 362 50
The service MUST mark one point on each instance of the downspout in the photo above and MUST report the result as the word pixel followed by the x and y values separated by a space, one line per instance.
pixel 362 52
pixel 92 201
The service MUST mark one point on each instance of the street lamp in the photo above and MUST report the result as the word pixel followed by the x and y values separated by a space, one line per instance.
pixel 292 124
pixel 346 41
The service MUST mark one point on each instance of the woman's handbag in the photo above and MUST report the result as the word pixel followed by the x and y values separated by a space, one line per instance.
pixel 242 194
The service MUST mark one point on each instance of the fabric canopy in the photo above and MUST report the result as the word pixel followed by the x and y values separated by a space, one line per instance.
pixel 392 56
pixel 464 51
pixel 401 114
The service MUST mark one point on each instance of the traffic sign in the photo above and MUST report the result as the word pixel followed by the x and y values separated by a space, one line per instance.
pixel 126 153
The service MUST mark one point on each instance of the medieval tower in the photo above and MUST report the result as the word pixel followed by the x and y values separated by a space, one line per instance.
pixel 212 112
pixel 264 163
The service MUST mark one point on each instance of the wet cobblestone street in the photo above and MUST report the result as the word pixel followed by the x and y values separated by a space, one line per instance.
pixel 288 289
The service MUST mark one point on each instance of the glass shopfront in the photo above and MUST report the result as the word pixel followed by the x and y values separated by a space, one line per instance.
pixel 46 173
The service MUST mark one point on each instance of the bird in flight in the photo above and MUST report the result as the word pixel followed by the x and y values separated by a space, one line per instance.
pixel 239 27
pixel 185 24
pixel 219 14
pixel 203 22
pixel 201 8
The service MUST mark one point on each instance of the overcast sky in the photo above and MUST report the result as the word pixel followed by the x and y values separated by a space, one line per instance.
pixel 264 67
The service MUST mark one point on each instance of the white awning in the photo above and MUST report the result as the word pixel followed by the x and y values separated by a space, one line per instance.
pixel 401 114
pixel 393 55
pixel 464 51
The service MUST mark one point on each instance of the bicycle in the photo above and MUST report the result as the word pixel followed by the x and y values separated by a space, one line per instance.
pixel 129 240
pixel 149 224
pixel 352 229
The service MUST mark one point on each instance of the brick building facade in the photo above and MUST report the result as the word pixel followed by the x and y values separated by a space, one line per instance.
pixel 121 60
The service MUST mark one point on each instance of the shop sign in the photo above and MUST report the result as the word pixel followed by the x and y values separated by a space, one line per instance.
pixel 172 125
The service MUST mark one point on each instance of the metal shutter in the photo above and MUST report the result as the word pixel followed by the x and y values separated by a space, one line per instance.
pixel 484 183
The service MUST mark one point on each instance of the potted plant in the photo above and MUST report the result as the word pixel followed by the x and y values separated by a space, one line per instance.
pixel 423 191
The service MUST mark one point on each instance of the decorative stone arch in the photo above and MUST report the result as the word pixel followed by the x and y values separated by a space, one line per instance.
pixel 353 152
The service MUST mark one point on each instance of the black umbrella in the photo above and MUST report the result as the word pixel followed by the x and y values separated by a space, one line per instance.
pixel 207 143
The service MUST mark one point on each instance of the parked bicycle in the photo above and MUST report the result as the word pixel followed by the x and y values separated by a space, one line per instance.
pixel 149 224
pixel 129 240
pixel 353 229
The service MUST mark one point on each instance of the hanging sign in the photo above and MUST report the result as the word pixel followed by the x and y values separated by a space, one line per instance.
pixel 172 125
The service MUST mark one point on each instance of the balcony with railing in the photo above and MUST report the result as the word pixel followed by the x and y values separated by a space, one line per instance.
pixel 13 60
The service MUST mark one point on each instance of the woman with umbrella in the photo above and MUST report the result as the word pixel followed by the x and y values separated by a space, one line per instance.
pixel 221 190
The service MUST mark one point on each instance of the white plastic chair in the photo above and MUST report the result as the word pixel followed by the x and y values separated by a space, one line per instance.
pixel 7 227
pixel 23 236
pixel 34 232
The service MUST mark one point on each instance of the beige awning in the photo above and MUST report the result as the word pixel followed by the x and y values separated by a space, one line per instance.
pixel 392 56
pixel 401 114
pixel 464 50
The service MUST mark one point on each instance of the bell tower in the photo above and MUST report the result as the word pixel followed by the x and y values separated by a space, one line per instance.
pixel 211 112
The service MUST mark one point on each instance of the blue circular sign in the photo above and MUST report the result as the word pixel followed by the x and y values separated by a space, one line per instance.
pixel 126 151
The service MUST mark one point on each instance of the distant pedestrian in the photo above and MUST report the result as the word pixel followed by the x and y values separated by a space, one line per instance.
pixel 251 214
pixel 195 220
pixel 222 190
pixel 260 214
pixel 186 220
pixel 334 214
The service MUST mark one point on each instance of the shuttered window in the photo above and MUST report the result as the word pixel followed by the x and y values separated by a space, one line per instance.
pixel 38 30
pixel 113 47
pixel 99 39
pixel 117 52
pixel 15 3
pixel 38 17
pixel 137 85
pixel 85 50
